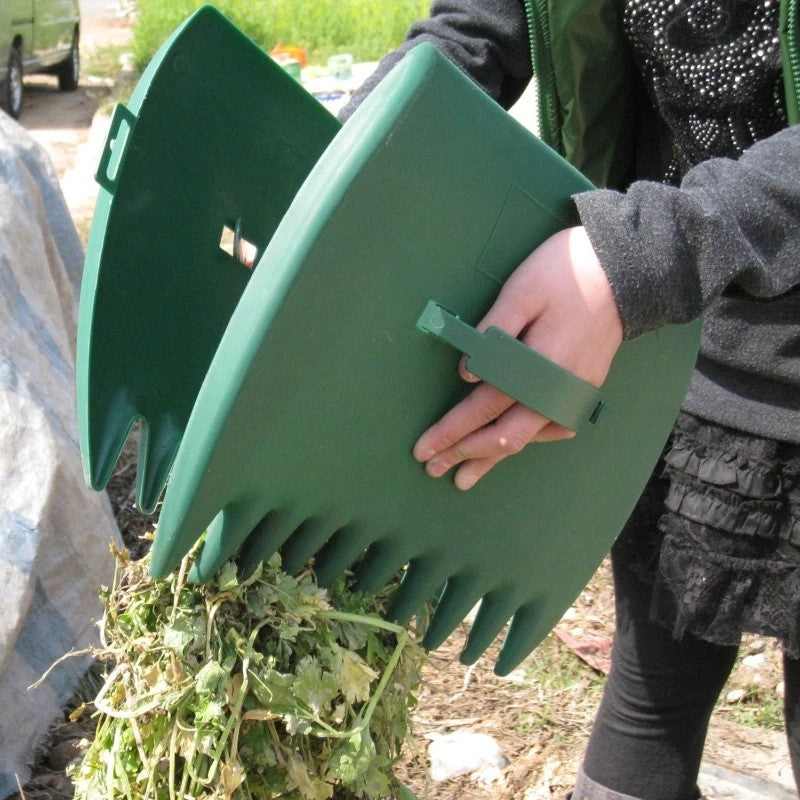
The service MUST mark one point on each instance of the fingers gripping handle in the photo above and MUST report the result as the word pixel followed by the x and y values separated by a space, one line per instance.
pixel 516 369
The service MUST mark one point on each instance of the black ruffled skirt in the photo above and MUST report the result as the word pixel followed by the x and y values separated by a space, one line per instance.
pixel 717 535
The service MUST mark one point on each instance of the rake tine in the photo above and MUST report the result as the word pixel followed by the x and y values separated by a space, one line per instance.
pixel 101 448
pixel 344 547
pixel 460 595
pixel 157 448
pixel 228 531
pixel 268 537
pixel 531 623
pixel 380 564
pixel 420 584
pixel 307 541
pixel 495 611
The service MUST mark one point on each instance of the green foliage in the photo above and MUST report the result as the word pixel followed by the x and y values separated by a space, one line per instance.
pixel 365 28
pixel 759 708
pixel 247 690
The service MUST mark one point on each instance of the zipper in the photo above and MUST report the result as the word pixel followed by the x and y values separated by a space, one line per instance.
pixel 549 113
pixel 792 62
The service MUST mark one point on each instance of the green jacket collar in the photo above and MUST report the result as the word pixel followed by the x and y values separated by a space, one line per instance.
pixel 587 81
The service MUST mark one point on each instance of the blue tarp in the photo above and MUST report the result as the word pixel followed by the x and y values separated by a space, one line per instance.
pixel 54 532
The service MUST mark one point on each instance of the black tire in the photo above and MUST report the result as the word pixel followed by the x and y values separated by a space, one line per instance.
pixel 12 90
pixel 69 70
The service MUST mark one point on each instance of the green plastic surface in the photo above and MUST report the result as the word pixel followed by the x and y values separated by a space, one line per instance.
pixel 522 373
pixel 300 437
pixel 216 135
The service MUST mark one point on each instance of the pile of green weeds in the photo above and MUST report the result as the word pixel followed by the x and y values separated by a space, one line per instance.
pixel 268 687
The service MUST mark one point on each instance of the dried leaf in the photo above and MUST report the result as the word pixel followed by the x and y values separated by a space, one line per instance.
pixel 353 675
pixel 309 786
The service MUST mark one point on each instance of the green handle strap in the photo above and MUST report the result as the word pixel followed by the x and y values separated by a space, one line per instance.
pixel 513 368
pixel 123 121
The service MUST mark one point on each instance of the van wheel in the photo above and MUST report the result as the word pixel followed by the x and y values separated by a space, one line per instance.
pixel 69 70
pixel 12 96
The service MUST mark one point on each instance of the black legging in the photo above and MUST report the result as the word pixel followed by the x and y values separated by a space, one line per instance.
pixel 649 733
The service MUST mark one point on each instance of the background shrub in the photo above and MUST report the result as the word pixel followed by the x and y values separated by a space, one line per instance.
pixel 366 28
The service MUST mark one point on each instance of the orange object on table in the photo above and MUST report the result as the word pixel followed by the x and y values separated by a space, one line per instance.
pixel 289 51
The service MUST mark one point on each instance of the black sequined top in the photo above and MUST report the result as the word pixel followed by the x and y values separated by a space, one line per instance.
pixel 713 70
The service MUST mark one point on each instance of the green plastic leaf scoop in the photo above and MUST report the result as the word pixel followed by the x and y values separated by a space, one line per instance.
pixel 342 346
pixel 201 164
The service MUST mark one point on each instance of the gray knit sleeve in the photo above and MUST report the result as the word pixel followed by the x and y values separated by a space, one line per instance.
pixel 486 39
pixel 732 225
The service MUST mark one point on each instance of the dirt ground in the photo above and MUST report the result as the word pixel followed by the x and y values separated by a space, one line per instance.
pixel 540 729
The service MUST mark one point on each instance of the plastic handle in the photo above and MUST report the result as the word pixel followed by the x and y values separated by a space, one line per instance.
pixel 513 368
pixel 122 124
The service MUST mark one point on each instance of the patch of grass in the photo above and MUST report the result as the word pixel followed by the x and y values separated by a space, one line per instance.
pixel 567 691
pixel 365 28
pixel 759 708
pixel 111 78
pixel 104 61
pixel 752 693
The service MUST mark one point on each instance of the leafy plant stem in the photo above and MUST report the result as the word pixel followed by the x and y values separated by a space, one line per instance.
pixel 111 765
pixel 137 734
pixel 173 747
pixel 185 778
pixel 212 612
pixel 179 582
pixel 234 721
pixel 273 733
pixel 402 639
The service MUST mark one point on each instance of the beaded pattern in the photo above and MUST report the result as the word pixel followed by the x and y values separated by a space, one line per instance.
pixel 713 70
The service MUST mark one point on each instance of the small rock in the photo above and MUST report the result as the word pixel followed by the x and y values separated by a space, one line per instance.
pixel 465 752
pixel 735 695
pixel 516 676
pixel 754 661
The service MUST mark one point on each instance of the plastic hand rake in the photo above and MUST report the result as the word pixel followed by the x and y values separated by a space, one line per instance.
pixel 339 353
pixel 207 156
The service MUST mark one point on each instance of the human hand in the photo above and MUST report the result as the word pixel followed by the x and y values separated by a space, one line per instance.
pixel 559 303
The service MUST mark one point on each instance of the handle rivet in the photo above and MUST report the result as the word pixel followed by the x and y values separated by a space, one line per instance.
pixel 436 321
